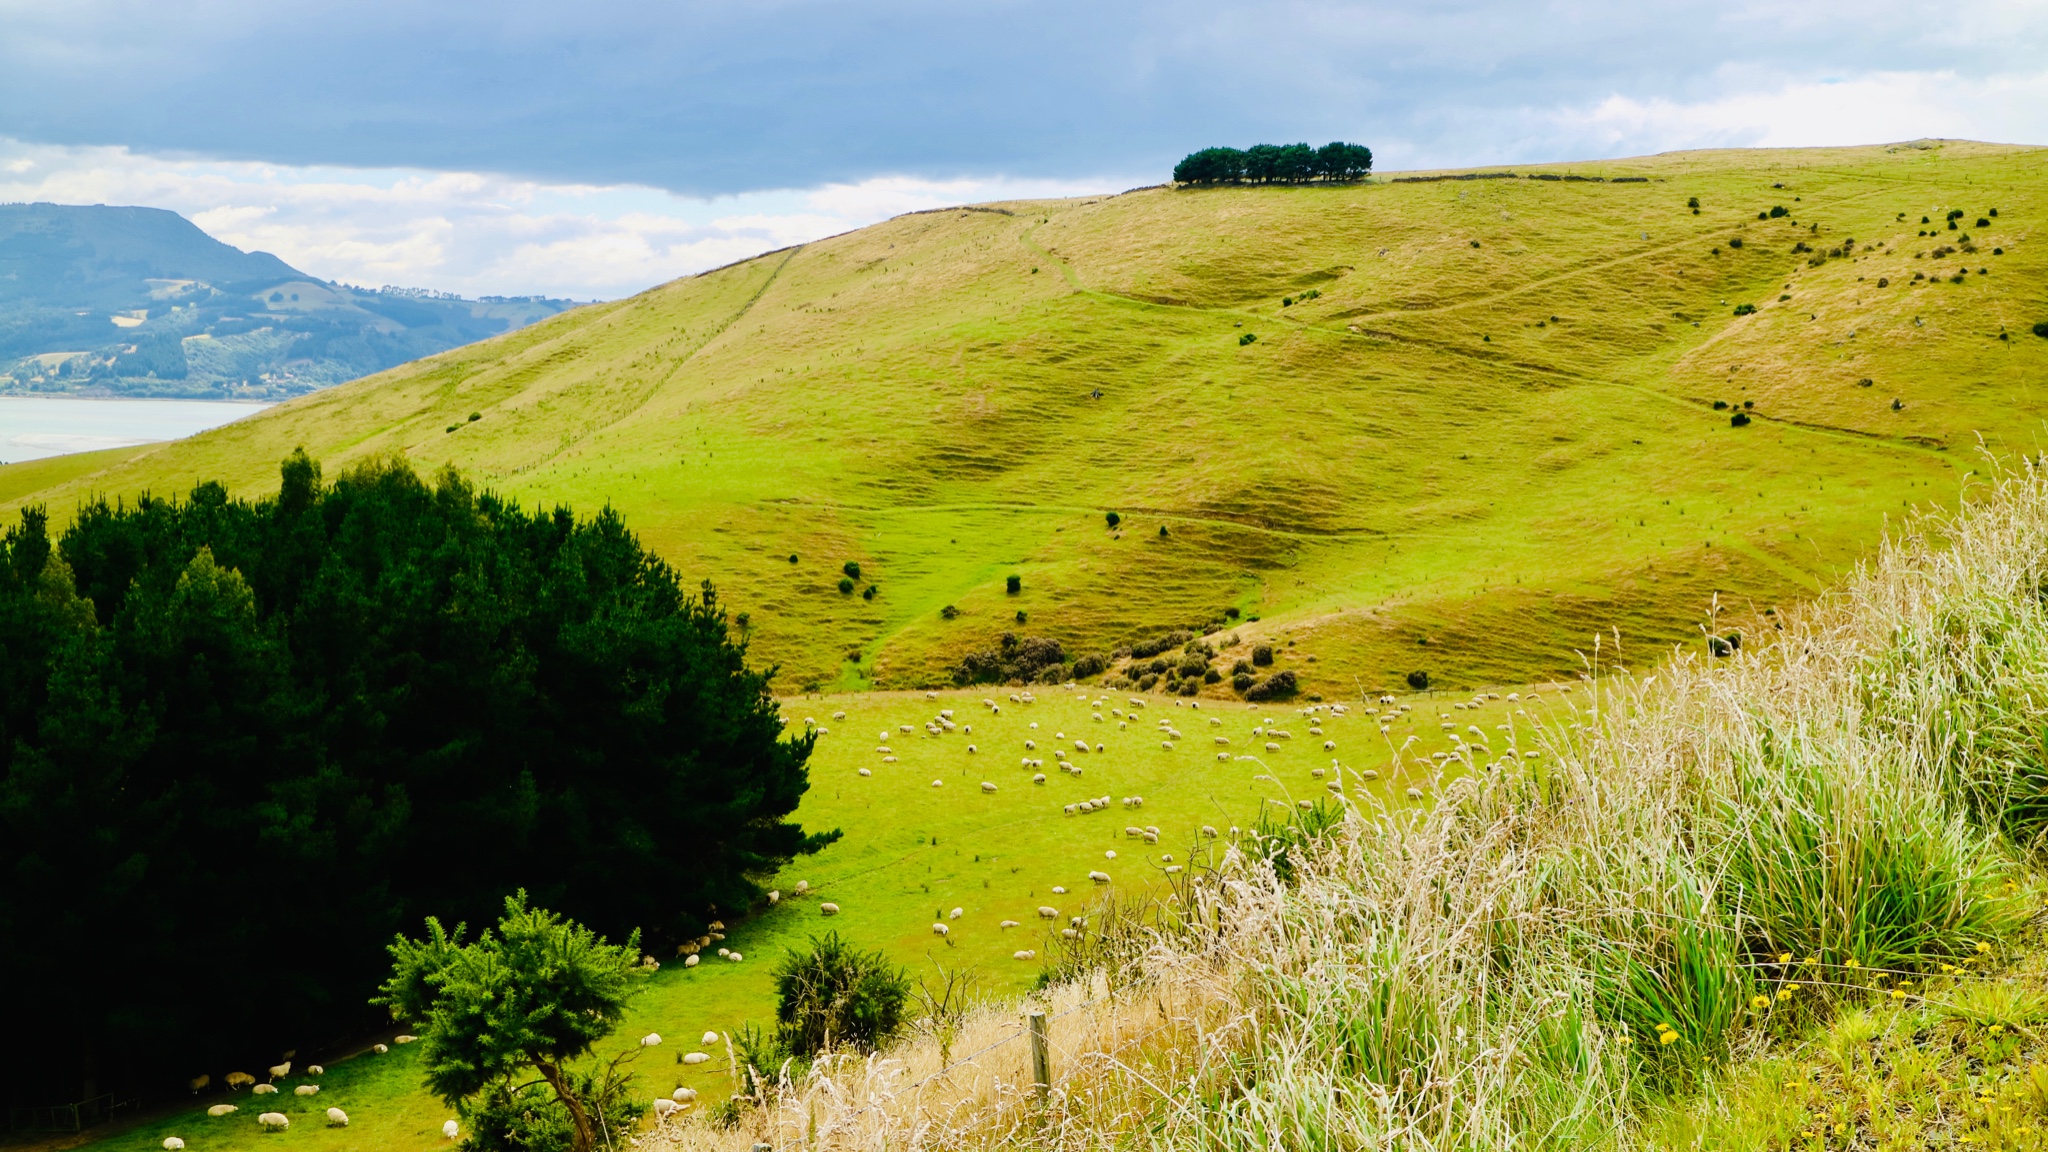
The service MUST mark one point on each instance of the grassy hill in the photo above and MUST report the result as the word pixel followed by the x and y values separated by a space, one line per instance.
pixel 1483 431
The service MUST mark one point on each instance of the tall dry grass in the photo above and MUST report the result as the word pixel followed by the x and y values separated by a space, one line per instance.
pixel 1592 910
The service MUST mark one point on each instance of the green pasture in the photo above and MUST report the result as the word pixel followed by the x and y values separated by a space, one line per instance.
pixel 1482 431
pixel 911 853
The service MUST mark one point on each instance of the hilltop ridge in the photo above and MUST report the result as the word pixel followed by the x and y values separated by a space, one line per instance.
pixel 1478 421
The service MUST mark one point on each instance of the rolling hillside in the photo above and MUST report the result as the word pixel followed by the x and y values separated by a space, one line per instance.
pixel 1479 418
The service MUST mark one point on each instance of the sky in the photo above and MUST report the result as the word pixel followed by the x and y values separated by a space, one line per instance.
pixel 594 149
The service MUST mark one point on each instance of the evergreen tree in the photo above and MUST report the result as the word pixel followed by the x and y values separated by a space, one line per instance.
pixel 242 742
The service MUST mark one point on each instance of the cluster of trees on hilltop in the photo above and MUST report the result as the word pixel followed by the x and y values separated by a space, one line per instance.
pixel 1275 164
pixel 244 743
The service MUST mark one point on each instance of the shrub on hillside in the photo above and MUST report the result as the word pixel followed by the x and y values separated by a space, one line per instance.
pixel 1211 676
pixel 1089 665
pixel 834 996
pixel 408 698
pixel 1243 680
pixel 1735 242
pixel 1024 658
pixel 1262 655
pixel 1013 584
pixel 1112 518
pixel 1278 686
pixel 1146 681
pixel 1241 668
pixel 845 585
pixel 1158 644
pixel 1744 309
pixel 1419 681
pixel 1190 686
pixel 851 568
pixel 2041 329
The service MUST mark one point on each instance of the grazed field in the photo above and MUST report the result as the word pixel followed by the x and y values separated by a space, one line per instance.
pixel 1488 435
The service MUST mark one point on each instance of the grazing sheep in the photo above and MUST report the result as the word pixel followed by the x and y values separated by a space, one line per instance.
pixel 708 1038
pixel 315 1070
pixel 1046 912
pixel 1007 924
pixel 1024 954
pixel 1329 745
pixel 939 929
pixel 1272 747
pixel 1070 934
pixel 336 1118
pixel 774 896
pixel 865 772
pixel 1172 868
pixel 451 1130
pixel 1224 757
pixel 1222 741
pixel 1109 855
pixel 264 1090
pixel 650 1040
pixel 828 909
pixel 1209 831
pixel 663 1107
pixel 1132 830
pixel 403 1039
pixel 1166 744
pixel 173 1144
pixel 839 715
pixel 734 957
pixel 987 787
pixel 1059 890
pixel 938 783
pixel 1038 779
pixel 970 748
pixel 1069 809
pixel 692 960
pixel 803 886
pixel 1415 793
pixel 888 759
pixel 380 1049
pixel 306 1090
pixel 695 1058
pixel 1099 877
pixel 1371 773
pixel 684 1095
pixel 274 1121
pixel 1151 837
pixel 725 951
pixel 956 913
pixel 221 1110
pixel 279 1071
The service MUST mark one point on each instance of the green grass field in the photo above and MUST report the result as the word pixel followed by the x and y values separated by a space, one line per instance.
pixel 1488 437
pixel 913 852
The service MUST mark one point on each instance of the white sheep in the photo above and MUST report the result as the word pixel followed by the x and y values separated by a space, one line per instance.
pixel 198 1082
pixel 221 1110
pixel 336 1118
pixel 684 1095
pixel 1099 877
pixel 956 913
pixel 1047 912
pixel 306 1090
pixel 803 886
pixel 274 1121
pixel 1209 831
pixel 708 1038
pixel 279 1071
pixel 1007 924
pixel 734 957
pixel 1223 757
pixel 692 960
pixel 663 1106
pixel 865 772
pixel 987 787
pixel 1272 747
pixel 1039 778
pixel 650 1040
pixel 1109 855
pixel 940 930
pixel 1059 890
pixel 451 1130
pixel 380 1049
pixel 238 1079
pixel 695 1058
pixel 173 1144
pixel 839 715
pixel 971 748
pixel 315 1070
pixel 403 1039
pixel 828 909
pixel 1024 954
pixel 264 1090
pixel 774 896
pixel 938 783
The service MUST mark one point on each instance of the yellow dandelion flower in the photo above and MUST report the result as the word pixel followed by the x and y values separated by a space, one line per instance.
pixel 1983 947
pixel 1851 963
pixel 1784 957
pixel 1948 968
pixel 1667 1037
pixel 1811 960
pixel 1759 1002
pixel 1898 994
pixel 1996 1029
pixel 1784 993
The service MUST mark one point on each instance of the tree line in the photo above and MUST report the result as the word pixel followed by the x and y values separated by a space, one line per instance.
pixel 243 743
pixel 1275 164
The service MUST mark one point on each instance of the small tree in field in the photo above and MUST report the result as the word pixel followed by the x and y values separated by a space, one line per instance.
pixel 834 995
pixel 535 995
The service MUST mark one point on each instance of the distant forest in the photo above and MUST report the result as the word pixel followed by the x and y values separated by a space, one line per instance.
pixel 1275 164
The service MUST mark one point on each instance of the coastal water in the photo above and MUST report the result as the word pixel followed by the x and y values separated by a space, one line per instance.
pixel 33 427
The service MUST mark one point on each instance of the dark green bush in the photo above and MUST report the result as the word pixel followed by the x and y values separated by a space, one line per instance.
pixel 1694 202
pixel 1744 309
pixel 1245 339
pixel 1419 681
pixel 792 557
pixel 1021 617
pixel 1720 404
pixel 1146 681
pixel 1736 242
pixel 851 568
pixel 1241 668
pixel 1738 420
pixel 1089 665
pixel 1278 686
pixel 1243 680
pixel 1211 676
pixel 1262 655
pixel 1779 210
pixel 1190 686
pixel 868 593
pixel 846 585
pixel 833 995
pixel 2041 329
pixel 1013 584
pixel 948 612
pixel 1113 519
pixel 1158 644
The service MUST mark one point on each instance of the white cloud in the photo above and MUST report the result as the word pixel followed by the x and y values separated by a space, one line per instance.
pixel 475 233
pixel 1873 108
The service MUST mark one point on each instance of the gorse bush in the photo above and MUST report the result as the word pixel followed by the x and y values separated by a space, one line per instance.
pixel 832 995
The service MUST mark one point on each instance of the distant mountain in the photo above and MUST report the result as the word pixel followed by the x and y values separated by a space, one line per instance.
pixel 114 301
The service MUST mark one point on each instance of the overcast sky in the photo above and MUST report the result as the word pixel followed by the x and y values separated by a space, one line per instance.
pixel 598 147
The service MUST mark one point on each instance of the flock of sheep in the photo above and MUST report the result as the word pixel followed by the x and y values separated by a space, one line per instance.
pixel 278 1121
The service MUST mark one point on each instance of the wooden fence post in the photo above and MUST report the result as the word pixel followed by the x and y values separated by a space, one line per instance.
pixel 1041 1058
